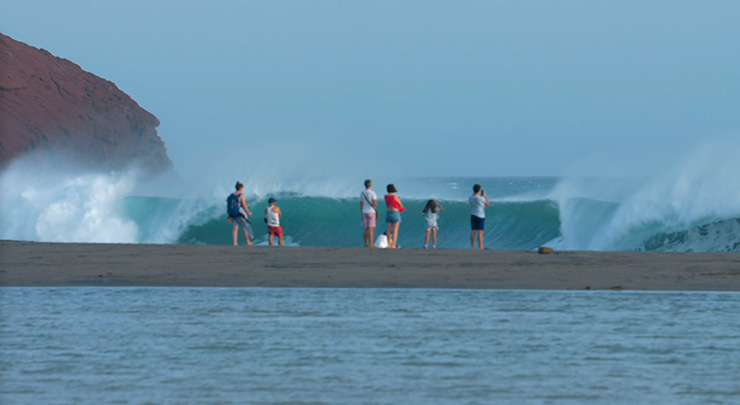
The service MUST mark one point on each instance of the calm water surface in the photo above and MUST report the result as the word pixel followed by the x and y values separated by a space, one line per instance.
pixel 240 345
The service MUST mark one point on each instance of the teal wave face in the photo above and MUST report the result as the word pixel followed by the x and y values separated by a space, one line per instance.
pixel 710 236
pixel 693 208
pixel 317 221
pixel 164 220
pixel 336 222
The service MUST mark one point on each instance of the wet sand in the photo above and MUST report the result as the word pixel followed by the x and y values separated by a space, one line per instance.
pixel 61 264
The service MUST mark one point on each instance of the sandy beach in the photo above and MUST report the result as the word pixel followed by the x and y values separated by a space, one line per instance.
pixel 61 264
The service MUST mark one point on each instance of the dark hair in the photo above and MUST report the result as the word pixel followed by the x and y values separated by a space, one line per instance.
pixel 239 186
pixel 368 183
pixel 391 188
pixel 431 205
pixel 476 188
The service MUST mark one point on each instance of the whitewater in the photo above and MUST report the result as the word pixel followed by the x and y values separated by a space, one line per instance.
pixel 692 207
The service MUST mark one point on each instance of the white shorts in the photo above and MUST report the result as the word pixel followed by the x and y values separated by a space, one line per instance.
pixel 432 225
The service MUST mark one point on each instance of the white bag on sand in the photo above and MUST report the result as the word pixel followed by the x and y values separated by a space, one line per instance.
pixel 381 242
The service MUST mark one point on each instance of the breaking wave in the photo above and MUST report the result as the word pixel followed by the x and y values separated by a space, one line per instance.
pixel 695 207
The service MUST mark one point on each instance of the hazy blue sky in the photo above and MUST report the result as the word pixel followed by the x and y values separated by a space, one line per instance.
pixel 412 87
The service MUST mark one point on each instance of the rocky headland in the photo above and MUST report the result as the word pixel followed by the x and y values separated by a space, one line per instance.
pixel 51 105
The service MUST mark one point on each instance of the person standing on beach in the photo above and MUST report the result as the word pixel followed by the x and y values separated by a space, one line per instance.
pixel 272 217
pixel 239 215
pixel 431 214
pixel 478 203
pixel 368 202
pixel 393 216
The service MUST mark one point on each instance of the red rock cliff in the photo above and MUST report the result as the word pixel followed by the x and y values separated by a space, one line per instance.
pixel 49 103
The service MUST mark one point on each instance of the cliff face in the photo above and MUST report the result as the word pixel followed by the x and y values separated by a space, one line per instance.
pixel 49 103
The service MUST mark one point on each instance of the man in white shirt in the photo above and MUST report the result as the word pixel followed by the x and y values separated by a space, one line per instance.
pixel 478 203
pixel 368 202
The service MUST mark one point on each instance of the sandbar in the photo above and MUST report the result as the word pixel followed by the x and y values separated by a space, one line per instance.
pixel 87 264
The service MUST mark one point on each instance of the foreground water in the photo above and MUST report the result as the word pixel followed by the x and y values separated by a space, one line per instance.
pixel 237 345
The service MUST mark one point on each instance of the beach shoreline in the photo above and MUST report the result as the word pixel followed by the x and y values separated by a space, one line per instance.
pixel 81 264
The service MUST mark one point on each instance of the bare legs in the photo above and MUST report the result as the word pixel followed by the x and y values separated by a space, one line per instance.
pixel 393 234
pixel 433 232
pixel 368 235
pixel 235 234
pixel 280 240
pixel 480 239
pixel 246 236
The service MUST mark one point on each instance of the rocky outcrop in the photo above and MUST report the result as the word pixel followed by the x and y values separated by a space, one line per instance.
pixel 50 104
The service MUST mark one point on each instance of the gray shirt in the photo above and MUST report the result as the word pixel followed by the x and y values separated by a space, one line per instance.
pixel 477 206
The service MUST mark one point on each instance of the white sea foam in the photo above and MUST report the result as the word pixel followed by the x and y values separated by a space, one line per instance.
pixel 599 215
pixel 43 200
pixel 40 202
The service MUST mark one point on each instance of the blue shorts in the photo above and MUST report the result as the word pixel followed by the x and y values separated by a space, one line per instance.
pixel 393 217
pixel 477 223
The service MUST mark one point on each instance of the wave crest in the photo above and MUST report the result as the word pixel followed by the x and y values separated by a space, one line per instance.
pixel 693 207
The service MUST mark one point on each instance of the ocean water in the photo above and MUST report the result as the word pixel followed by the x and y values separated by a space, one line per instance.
pixel 270 346
pixel 693 207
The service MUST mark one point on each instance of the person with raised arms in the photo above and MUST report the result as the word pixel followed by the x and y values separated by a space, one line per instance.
pixel 431 214
pixel 478 203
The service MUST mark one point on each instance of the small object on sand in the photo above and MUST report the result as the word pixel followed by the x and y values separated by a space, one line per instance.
pixel 543 250
pixel 617 287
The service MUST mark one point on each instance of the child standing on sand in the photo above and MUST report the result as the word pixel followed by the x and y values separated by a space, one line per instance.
pixel 431 214
pixel 272 217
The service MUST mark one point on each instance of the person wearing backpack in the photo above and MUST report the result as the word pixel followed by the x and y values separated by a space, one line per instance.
pixel 236 207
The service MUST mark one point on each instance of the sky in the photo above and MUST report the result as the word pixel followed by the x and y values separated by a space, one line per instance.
pixel 412 88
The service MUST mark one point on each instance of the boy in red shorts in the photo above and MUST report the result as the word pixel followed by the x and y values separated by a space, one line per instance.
pixel 273 215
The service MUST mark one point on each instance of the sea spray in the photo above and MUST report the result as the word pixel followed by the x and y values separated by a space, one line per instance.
pixel 702 190
pixel 693 207
pixel 53 206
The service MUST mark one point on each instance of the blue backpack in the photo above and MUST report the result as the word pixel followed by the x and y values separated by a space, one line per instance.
pixel 232 205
